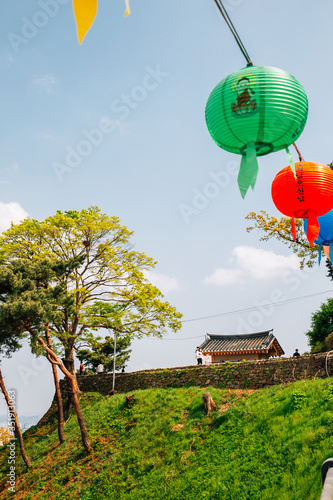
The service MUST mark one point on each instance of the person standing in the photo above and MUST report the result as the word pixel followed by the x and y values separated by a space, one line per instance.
pixel 100 369
pixel 199 356
pixel 81 368
pixel 206 359
pixel 296 353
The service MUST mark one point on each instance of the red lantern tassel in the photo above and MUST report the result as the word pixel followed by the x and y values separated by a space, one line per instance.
pixel 326 251
pixel 312 229
pixel 293 228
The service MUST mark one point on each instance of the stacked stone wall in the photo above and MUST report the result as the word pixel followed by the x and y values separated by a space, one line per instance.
pixel 229 375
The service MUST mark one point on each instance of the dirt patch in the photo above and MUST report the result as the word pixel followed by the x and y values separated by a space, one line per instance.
pixel 177 427
pixel 225 407
pixel 241 393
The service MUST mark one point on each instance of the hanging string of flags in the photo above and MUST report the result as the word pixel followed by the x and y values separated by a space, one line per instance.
pixel 253 112
pixel 256 111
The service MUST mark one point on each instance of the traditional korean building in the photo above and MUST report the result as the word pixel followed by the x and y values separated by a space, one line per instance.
pixel 249 346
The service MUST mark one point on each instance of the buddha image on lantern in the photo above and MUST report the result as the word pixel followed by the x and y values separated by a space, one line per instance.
pixel 245 104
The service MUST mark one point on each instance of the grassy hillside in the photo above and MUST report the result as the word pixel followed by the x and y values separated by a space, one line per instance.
pixel 266 444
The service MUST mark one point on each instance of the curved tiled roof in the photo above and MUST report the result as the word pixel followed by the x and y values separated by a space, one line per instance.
pixel 261 341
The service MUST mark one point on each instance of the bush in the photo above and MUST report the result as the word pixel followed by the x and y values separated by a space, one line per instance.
pixel 321 327
pixel 5 436
pixel 318 347
pixel 329 342
pixel 298 399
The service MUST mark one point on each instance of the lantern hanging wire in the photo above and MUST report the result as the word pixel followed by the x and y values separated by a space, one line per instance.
pixel 298 152
pixel 232 28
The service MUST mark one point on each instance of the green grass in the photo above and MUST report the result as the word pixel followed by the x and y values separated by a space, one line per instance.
pixel 266 444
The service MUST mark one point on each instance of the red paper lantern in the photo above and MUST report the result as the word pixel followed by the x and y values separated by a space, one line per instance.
pixel 306 196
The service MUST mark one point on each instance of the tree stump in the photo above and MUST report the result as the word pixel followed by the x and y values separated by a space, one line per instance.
pixel 209 403
pixel 129 400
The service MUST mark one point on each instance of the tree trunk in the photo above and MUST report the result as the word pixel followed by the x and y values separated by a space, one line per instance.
pixel 82 424
pixel 129 400
pixel 73 383
pixel 12 411
pixel 68 362
pixel 209 403
pixel 61 420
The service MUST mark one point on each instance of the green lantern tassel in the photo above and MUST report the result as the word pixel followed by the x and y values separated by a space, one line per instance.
pixel 291 162
pixel 248 170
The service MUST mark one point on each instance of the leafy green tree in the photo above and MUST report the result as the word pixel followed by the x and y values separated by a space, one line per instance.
pixel 321 327
pixel 279 229
pixel 111 274
pixel 102 352
pixel 27 305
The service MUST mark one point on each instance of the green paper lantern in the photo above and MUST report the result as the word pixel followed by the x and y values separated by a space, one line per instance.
pixel 256 111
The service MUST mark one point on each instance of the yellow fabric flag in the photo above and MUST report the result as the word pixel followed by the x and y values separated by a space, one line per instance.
pixel 85 12
pixel 128 11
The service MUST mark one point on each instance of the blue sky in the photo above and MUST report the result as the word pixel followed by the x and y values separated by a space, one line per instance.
pixel 130 102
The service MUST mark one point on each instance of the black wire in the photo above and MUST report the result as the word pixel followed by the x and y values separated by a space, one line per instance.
pixel 298 152
pixel 287 301
pixel 185 338
pixel 234 31
pixel 232 28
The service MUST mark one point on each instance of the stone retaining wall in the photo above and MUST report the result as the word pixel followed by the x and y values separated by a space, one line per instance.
pixel 230 375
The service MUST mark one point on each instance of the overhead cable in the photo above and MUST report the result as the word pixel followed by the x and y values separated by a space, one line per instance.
pixel 263 306
pixel 232 28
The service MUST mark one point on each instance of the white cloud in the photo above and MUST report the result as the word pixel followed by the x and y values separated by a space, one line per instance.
pixel 45 83
pixel 10 168
pixel 254 263
pixel 263 264
pixel 162 281
pixel 11 212
pixel 223 277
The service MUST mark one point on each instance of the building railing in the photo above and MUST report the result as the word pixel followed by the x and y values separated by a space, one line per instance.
pixel 327 479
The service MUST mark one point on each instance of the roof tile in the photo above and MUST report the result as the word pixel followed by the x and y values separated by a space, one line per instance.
pixel 243 342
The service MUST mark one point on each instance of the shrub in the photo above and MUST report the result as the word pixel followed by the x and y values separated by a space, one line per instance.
pixel 298 399
pixel 329 342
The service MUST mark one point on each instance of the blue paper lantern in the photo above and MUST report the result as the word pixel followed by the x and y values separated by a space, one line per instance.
pixel 325 236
